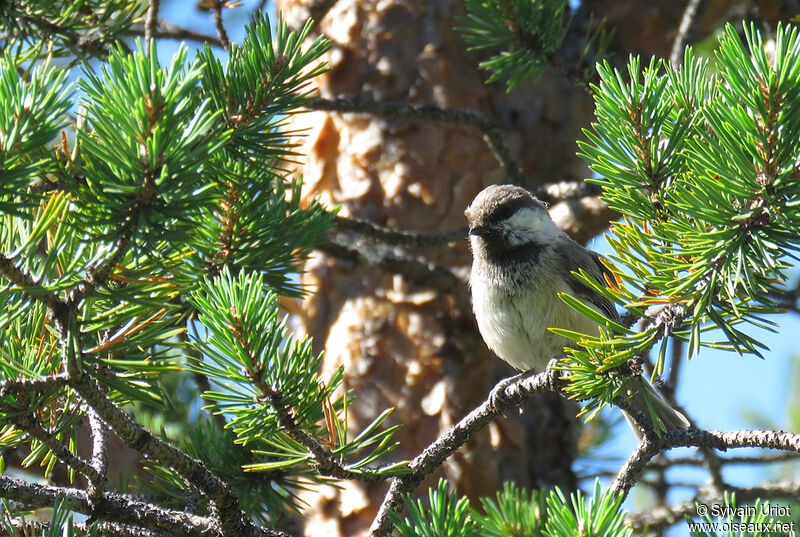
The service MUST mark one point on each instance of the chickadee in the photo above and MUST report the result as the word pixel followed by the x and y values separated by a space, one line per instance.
pixel 521 261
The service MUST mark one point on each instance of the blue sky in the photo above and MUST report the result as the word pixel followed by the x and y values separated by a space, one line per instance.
pixel 724 391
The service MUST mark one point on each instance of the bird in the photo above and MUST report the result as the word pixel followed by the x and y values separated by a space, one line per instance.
pixel 521 262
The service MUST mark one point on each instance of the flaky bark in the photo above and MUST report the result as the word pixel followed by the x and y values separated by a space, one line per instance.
pixel 403 345
pixel 412 346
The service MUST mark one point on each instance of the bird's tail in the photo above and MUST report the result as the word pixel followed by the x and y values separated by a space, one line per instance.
pixel 645 399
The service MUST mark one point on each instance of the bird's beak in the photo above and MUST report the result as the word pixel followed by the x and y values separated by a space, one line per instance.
pixel 480 231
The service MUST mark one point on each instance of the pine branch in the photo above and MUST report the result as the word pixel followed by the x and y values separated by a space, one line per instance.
pixel 650 447
pixel 395 237
pixel 549 193
pixel 100 276
pixel 414 270
pixel 151 20
pixel 512 395
pixel 22 385
pixel 221 33
pixel 326 463
pixel 27 423
pixel 109 529
pixel 22 279
pixel 111 507
pixel 683 31
pixel 83 289
pixel 491 133
pixel 233 521
pixel 167 30
pixel 99 460
pixel 772 458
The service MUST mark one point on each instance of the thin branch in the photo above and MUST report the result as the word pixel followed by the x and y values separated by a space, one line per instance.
pixel 110 529
pixel 566 190
pixel 84 44
pixel 151 22
pixel 22 279
pixel 87 287
pixel 168 30
pixel 30 425
pixel 399 238
pixel 221 33
pixel 658 519
pixel 41 384
pixel 326 463
pixel 99 460
pixel 782 489
pixel 549 193
pixel 233 520
pixel 650 447
pixel 416 271
pixel 99 276
pixel 683 31
pixel 770 458
pixel 491 133
pixel 513 395
pixel 111 507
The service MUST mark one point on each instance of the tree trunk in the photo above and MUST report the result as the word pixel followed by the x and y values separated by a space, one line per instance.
pixel 416 347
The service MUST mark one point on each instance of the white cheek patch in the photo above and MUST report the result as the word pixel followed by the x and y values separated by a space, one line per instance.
pixel 527 225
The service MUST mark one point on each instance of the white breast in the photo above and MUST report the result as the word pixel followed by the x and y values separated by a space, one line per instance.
pixel 514 325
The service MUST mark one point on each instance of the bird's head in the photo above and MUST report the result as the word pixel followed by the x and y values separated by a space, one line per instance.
pixel 503 218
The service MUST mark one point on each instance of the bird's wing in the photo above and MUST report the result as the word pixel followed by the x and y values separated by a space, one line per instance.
pixel 579 257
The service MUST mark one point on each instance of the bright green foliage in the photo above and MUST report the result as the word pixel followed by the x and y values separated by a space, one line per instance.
pixel 515 513
pixel 169 184
pixel 531 33
pixel 31 115
pixel 703 167
pixel 144 169
pixel 80 28
pixel 266 497
pixel 262 372
pixel 258 213
pixel 601 517
pixel 260 81
pixel 447 515
pixel 250 353
pixel 742 521
pixel 29 352
pixel 257 216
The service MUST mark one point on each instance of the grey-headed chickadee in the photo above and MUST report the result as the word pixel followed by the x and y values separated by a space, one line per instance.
pixel 521 261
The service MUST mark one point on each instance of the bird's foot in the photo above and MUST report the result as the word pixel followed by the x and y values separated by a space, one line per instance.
pixel 498 398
